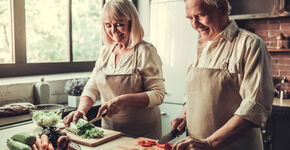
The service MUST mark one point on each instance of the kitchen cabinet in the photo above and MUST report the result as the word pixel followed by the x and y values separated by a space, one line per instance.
pixel 169 111
pixel 276 133
pixel 249 9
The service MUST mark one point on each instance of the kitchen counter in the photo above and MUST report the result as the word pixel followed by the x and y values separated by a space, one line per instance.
pixel 30 127
pixel 283 103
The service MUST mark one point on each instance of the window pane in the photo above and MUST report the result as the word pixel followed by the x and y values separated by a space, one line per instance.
pixel 6 54
pixel 46 31
pixel 86 29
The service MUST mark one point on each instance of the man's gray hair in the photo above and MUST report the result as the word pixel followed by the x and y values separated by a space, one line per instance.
pixel 217 4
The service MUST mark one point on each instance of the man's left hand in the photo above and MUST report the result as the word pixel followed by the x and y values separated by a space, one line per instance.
pixel 190 143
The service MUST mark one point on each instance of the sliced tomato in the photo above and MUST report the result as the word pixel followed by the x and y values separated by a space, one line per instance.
pixel 151 142
pixel 147 143
pixel 141 142
pixel 161 145
pixel 165 146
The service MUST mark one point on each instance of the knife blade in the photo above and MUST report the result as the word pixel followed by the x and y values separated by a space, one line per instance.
pixel 168 137
pixel 93 120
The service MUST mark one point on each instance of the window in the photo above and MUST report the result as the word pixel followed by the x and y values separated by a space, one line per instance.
pixel 43 37
pixel 5 33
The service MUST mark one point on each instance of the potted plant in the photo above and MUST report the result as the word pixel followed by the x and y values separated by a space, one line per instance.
pixel 74 89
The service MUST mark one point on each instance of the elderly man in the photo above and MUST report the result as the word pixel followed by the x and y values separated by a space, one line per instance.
pixel 229 86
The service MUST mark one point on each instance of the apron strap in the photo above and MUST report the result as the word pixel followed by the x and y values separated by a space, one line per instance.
pixel 134 68
pixel 107 58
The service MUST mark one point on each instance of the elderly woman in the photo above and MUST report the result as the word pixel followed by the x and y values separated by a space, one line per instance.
pixel 127 76
pixel 229 86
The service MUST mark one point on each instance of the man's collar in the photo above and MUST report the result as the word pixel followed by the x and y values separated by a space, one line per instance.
pixel 230 31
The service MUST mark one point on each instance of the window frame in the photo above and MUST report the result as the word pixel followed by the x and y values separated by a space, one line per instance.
pixel 18 38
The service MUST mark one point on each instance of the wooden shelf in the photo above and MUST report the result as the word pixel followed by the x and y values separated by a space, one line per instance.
pixel 278 50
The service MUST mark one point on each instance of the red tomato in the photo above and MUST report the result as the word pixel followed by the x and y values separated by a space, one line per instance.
pixel 151 142
pixel 165 146
pixel 141 142
pixel 147 143
pixel 161 145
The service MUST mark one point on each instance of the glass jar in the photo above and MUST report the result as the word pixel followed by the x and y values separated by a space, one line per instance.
pixel 280 40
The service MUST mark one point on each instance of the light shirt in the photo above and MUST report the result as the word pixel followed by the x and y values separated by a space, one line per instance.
pixel 249 66
pixel 202 58
pixel 148 64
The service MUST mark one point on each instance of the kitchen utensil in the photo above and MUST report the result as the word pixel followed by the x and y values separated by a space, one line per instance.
pixel 93 120
pixel 168 137
pixel 108 136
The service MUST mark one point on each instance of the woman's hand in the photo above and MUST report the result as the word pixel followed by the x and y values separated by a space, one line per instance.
pixel 74 116
pixel 112 107
pixel 179 124
pixel 190 143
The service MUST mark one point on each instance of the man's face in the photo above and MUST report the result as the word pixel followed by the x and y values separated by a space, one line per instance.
pixel 204 19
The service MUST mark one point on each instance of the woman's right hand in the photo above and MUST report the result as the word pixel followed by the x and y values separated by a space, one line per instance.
pixel 73 117
pixel 179 123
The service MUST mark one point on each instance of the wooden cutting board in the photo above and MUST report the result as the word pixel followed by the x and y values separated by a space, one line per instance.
pixel 133 145
pixel 108 136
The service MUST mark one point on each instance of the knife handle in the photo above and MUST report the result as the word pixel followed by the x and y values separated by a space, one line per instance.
pixel 174 132
pixel 104 115
pixel 96 119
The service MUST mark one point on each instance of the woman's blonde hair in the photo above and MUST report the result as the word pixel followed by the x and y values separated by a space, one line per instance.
pixel 123 10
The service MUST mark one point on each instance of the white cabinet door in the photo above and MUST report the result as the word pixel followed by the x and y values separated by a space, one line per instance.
pixel 169 112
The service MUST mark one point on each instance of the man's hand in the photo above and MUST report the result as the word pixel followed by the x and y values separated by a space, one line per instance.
pixel 112 107
pixel 179 123
pixel 190 143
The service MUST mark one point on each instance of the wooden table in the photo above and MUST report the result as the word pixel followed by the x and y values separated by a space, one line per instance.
pixel 30 127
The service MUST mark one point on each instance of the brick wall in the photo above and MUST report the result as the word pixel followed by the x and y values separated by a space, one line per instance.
pixel 269 29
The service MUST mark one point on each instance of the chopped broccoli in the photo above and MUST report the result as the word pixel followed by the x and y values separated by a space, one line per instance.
pixel 87 131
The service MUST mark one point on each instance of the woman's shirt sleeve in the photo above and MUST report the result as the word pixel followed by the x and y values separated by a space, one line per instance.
pixel 151 70
pixel 256 88
pixel 91 89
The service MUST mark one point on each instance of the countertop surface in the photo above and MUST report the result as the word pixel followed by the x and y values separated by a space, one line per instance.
pixel 30 127
pixel 283 103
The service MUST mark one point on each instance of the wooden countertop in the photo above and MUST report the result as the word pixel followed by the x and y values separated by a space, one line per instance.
pixel 30 127
pixel 283 103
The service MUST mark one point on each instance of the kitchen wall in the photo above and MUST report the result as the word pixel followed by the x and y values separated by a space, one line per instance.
pixel 269 29
pixel 20 89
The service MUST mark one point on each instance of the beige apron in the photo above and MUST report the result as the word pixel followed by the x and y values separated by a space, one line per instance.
pixel 212 99
pixel 133 121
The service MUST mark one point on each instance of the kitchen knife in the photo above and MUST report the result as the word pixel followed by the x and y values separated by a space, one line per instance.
pixel 168 137
pixel 93 120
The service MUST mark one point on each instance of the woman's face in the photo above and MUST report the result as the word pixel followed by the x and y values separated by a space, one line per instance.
pixel 118 30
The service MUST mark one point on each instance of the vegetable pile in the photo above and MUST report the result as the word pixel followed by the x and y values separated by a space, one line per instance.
pixel 49 139
pixel 21 141
pixel 87 131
